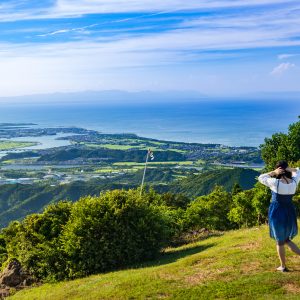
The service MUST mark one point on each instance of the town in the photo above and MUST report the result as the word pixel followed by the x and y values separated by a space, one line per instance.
pixel 88 154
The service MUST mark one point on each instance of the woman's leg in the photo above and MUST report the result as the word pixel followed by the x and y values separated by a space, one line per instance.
pixel 281 254
pixel 293 247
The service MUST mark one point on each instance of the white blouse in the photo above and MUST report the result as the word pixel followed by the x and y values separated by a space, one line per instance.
pixel 283 188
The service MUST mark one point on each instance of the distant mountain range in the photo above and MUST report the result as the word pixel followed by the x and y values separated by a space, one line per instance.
pixel 116 96
pixel 107 96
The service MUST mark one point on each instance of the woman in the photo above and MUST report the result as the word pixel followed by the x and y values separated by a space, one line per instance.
pixel 282 214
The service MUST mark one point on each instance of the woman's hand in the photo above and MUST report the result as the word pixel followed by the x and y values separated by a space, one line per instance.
pixel 277 172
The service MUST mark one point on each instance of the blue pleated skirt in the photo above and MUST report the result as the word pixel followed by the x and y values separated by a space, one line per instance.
pixel 282 218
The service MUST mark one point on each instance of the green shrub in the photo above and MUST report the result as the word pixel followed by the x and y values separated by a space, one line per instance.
pixel 114 230
pixel 209 211
pixel 95 234
pixel 176 200
pixel 260 202
pixel 242 211
pixel 3 251
pixel 35 241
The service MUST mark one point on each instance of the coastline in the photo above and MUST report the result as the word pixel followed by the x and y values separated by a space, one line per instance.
pixel 226 122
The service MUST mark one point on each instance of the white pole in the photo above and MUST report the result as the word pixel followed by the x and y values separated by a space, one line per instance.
pixel 144 172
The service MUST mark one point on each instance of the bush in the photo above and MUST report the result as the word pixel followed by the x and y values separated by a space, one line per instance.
pixel 250 207
pixel 3 252
pixel 261 202
pixel 93 235
pixel 209 211
pixel 242 212
pixel 35 241
pixel 175 200
pixel 114 230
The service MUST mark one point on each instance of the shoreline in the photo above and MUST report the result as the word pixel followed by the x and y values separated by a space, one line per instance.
pixel 229 123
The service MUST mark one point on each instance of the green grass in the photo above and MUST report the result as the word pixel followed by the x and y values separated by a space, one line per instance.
pixel 109 146
pixel 154 163
pixel 121 147
pixel 157 143
pixel 127 147
pixel 237 265
pixel 178 150
pixel 9 161
pixel 10 145
pixel 200 161
pixel 105 170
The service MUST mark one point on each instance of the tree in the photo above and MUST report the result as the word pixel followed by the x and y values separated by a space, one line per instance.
pixel 294 141
pixel 260 202
pixel 236 189
pixel 282 147
pixel 210 211
pixel 275 149
pixel 242 212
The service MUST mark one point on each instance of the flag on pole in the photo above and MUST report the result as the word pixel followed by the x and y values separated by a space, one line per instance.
pixel 150 152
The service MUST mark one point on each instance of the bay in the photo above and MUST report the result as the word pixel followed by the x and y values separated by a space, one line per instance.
pixel 228 122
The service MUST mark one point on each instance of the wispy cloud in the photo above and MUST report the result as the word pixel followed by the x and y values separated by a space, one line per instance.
pixel 285 56
pixel 88 41
pixel 116 21
pixel 75 8
pixel 222 31
pixel 60 31
pixel 282 68
pixel 117 6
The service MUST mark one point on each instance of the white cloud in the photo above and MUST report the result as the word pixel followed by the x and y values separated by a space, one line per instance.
pixel 117 6
pixel 279 23
pixel 114 6
pixel 282 68
pixel 77 8
pixel 285 56
pixel 120 59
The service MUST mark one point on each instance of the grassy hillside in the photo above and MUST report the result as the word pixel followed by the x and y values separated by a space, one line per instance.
pixel 236 265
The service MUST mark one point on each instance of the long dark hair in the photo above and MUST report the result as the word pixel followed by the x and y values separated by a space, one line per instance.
pixel 283 165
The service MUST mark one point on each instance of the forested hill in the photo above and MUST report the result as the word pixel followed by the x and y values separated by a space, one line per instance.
pixel 197 185
pixel 17 201
pixel 109 155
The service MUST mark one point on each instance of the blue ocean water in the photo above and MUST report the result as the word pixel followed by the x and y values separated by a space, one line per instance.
pixel 233 123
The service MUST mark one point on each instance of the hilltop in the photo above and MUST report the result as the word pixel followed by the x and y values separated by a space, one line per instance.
pixel 236 264
pixel 131 232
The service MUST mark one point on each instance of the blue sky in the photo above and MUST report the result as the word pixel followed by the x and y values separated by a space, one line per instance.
pixel 216 47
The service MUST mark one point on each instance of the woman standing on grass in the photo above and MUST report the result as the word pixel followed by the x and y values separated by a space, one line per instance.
pixel 282 213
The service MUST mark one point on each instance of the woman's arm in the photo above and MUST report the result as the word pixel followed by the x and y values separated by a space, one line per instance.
pixel 266 178
pixel 296 173
pixel 292 170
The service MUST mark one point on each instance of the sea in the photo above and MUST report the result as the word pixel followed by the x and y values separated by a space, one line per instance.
pixel 221 121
